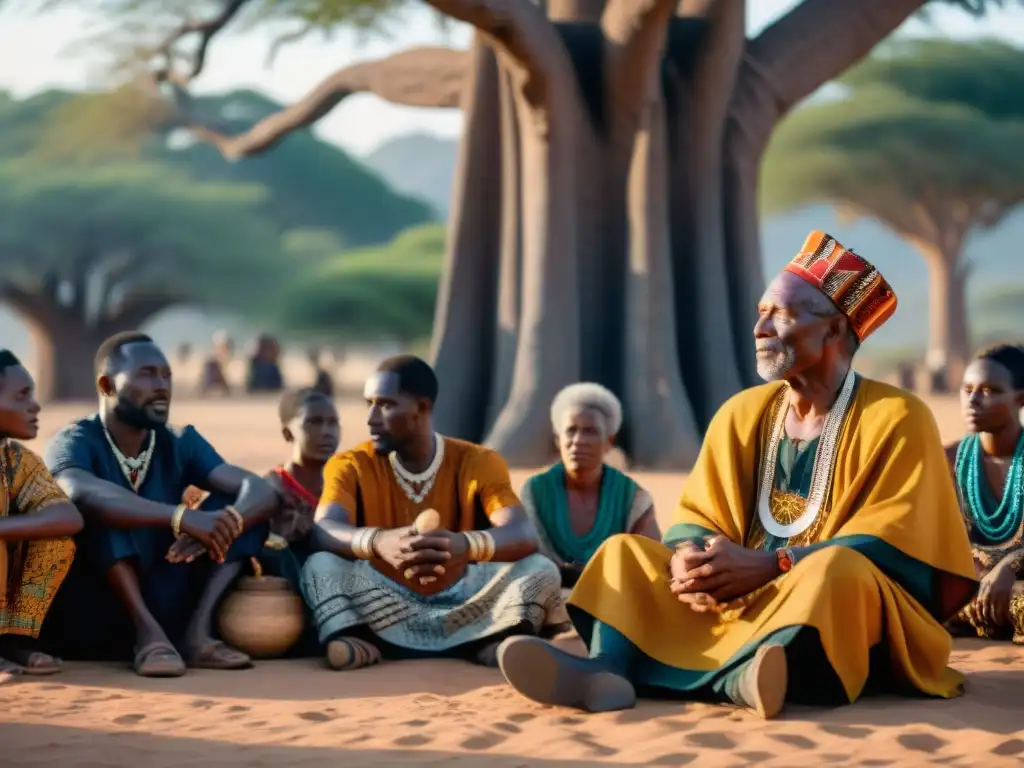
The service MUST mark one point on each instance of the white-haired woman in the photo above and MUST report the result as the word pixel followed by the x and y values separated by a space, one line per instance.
pixel 581 501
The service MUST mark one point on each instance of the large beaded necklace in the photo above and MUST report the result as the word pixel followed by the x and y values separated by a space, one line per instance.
pixel 416 485
pixel 821 475
pixel 998 525
pixel 133 469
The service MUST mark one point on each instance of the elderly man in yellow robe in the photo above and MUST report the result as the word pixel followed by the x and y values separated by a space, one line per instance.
pixel 817 548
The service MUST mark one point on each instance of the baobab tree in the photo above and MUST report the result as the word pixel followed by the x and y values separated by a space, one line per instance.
pixel 604 222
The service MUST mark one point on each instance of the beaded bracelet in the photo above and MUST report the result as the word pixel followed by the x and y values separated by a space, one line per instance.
pixel 481 546
pixel 362 543
pixel 179 513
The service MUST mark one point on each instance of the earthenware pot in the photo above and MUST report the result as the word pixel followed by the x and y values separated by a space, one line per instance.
pixel 262 617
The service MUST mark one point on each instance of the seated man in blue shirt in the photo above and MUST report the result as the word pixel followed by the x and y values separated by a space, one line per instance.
pixel 167 566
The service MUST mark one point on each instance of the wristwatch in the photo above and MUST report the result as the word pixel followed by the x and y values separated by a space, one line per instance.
pixel 784 558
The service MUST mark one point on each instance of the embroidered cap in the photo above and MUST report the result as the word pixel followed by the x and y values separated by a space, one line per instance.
pixel 854 285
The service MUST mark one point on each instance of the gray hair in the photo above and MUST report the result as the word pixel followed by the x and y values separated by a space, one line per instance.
pixel 587 395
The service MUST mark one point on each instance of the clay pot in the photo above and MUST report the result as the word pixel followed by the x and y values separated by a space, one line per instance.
pixel 262 617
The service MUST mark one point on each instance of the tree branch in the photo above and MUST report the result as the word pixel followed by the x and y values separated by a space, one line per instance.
pixel 803 50
pixel 522 36
pixel 634 32
pixel 420 77
pixel 205 29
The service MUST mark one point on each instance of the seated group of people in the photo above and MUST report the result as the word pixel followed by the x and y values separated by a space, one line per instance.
pixel 819 549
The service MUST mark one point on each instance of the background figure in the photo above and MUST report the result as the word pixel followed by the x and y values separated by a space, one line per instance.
pixel 215 365
pixel 264 373
pixel 322 383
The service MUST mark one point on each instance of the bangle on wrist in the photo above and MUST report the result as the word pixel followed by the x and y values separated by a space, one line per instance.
pixel 176 518
pixel 481 546
pixel 239 520
pixel 362 543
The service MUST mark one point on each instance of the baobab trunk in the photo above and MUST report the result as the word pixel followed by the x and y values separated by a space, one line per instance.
pixel 604 221
pixel 948 338
pixel 64 361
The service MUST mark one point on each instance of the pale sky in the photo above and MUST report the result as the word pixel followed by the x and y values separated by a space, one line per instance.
pixel 34 54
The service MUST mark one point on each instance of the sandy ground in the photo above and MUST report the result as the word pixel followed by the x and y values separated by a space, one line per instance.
pixel 295 713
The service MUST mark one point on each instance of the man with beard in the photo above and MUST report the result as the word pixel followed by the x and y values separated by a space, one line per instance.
pixel 36 525
pixel 127 471
pixel 817 547
pixel 380 585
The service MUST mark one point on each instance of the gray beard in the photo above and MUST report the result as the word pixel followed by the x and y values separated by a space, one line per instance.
pixel 776 367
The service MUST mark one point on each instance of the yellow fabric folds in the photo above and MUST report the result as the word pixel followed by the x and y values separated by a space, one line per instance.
pixel 891 485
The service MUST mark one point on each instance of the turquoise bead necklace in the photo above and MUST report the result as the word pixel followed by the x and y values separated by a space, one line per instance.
pixel 997 525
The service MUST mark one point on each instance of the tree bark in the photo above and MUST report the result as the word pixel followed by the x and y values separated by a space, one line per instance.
pixel 948 345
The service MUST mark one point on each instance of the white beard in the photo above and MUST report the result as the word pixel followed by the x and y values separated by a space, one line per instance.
pixel 775 366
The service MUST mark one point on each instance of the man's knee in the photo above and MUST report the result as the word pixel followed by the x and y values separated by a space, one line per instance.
pixel 836 564
pixel 544 569
pixel 316 565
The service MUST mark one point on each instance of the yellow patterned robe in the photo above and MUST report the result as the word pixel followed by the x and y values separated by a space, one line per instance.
pixel 890 559
pixel 31 572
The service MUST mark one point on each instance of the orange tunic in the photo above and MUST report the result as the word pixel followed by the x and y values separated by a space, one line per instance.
pixel 472 484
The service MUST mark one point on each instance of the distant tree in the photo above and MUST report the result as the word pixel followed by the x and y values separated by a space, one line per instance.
pixel 927 140
pixel 312 182
pixel 604 222
pixel 376 294
pixel 86 252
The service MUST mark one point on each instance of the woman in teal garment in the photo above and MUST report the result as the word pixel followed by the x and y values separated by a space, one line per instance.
pixel 581 501
pixel 988 467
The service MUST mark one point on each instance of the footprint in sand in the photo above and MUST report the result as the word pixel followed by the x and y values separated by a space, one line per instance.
pixel 482 741
pixel 416 723
pixel 203 703
pixel 676 758
pixel 793 740
pixel 1011 747
pixel 711 740
pixel 876 763
pixel 238 708
pixel 755 757
pixel 129 719
pixel 316 717
pixel 922 742
pixel 508 727
pixel 52 687
pixel 521 717
pixel 412 740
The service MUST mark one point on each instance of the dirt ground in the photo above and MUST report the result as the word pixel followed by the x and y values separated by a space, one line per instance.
pixel 297 714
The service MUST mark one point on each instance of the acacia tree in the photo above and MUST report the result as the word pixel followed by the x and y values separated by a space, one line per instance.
pixel 604 222
pixel 927 141
pixel 86 252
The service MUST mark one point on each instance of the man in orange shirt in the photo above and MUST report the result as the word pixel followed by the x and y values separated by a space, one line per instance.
pixel 380 587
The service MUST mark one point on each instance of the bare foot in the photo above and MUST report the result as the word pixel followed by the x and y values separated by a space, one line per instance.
pixel 762 685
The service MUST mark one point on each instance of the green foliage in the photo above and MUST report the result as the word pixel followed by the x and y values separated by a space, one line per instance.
pixel 135 230
pixel 371 294
pixel 312 184
pixel 929 131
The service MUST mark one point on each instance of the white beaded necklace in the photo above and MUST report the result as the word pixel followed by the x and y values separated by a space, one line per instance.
pixel 821 475
pixel 133 469
pixel 408 481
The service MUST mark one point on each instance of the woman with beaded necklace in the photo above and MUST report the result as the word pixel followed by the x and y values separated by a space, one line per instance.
pixel 988 466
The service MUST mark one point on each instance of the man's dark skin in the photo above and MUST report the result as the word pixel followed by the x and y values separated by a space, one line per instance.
pixel 140 378
pixel 991 406
pixel 19 420
pixel 795 323
pixel 402 423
